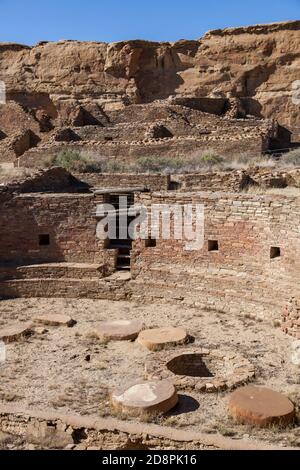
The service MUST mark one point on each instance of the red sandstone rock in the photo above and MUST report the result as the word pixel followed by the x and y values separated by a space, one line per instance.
pixel 55 320
pixel 144 71
pixel 261 407
pixel 130 80
pixel 145 398
pixel 159 338
pixel 119 330
pixel 16 332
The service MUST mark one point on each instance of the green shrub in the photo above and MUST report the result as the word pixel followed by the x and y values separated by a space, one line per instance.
pixel 159 164
pixel 211 159
pixel 72 160
pixel 68 159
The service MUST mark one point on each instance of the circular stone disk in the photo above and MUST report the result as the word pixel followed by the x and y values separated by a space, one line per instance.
pixel 260 406
pixel 145 398
pixel 55 319
pixel 119 330
pixel 159 338
pixel 16 332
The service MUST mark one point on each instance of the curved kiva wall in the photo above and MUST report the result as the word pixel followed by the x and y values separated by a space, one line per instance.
pixel 240 274
pixel 254 268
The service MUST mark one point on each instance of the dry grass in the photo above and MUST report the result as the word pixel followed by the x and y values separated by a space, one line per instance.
pixel 290 191
pixel 9 174
pixel 201 160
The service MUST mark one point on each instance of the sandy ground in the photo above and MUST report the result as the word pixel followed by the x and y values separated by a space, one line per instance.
pixel 69 370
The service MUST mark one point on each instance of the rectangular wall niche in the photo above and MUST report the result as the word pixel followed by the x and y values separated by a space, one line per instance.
pixel 44 240
pixel 213 245
pixel 275 252
pixel 151 243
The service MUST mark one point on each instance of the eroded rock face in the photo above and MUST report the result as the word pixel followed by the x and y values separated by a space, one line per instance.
pixel 258 64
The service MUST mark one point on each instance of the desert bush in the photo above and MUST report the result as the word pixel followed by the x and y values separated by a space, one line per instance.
pixel 196 162
pixel 159 164
pixel 72 160
pixel 211 160
pixel 201 160
pixel 113 166
pixel 68 159
pixel 243 161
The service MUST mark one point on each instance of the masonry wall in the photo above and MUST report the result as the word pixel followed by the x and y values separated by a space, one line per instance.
pixel 152 182
pixel 240 276
pixel 68 219
pixel 129 152
pixel 255 268
pixel 229 181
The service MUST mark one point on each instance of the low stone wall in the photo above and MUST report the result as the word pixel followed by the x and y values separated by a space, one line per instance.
pixel 254 269
pixel 152 182
pixel 81 288
pixel 129 152
pixel 233 181
pixel 275 178
pixel 227 181
pixel 54 271
pixel 53 430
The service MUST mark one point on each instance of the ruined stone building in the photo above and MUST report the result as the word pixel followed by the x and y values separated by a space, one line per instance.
pixel 129 100
pixel 228 93
pixel 49 245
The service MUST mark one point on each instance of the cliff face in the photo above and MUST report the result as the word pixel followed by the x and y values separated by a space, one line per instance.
pixel 257 64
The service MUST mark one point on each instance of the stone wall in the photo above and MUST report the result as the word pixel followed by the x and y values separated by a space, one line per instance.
pixel 291 318
pixel 233 181
pixel 68 220
pixel 152 182
pixel 226 181
pixel 55 430
pixel 56 179
pixel 129 152
pixel 255 267
pixel 249 262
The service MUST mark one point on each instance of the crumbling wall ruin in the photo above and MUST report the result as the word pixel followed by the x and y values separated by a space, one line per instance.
pixel 51 429
pixel 254 266
pixel 152 182
pixel 140 98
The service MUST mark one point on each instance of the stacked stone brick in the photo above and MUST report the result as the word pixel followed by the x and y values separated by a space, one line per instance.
pixel 291 318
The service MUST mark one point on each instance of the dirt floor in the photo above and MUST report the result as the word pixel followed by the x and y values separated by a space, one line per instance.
pixel 68 369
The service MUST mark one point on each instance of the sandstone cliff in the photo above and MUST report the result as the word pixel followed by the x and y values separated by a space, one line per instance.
pixel 258 64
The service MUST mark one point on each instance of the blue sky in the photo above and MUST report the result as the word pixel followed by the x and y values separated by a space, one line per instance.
pixel 30 21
